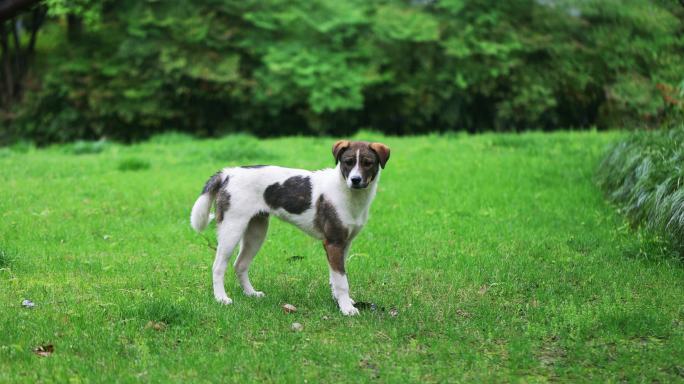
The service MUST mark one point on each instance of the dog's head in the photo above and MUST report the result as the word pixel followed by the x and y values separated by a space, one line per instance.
pixel 360 161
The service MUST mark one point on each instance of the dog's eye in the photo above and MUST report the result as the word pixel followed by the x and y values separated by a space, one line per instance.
pixel 349 162
pixel 366 163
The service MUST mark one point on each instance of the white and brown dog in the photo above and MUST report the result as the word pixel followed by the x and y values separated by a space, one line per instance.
pixel 331 205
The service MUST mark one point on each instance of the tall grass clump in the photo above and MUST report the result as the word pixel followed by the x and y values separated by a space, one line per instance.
pixel 6 257
pixel 644 175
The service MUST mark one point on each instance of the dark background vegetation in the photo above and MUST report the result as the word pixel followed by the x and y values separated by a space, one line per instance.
pixel 128 69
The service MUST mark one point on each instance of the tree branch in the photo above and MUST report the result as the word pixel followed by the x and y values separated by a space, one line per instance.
pixel 38 17
pixel 17 47
pixel 10 8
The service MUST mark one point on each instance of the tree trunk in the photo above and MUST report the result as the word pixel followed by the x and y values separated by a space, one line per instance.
pixel 74 27
pixel 18 59
pixel 6 66
pixel 15 59
pixel 38 17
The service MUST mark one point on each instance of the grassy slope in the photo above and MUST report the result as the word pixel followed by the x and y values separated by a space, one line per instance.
pixel 499 253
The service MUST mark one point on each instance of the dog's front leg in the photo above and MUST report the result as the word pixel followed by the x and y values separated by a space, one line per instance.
pixel 338 278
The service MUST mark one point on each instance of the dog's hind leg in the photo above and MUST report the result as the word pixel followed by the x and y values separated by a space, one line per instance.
pixel 230 230
pixel 249 246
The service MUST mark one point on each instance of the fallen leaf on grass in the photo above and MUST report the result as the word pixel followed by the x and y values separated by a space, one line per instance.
pixel 394 312
pixel 157 326
pixel 289 308
pixel 44 350
pixel 28 304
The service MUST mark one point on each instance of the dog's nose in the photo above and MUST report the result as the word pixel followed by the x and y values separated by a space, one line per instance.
pixel 356 180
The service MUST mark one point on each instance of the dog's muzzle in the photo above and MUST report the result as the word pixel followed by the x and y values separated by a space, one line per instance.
pixel 357 182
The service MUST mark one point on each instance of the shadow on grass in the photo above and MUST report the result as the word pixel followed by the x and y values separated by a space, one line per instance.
pixel 133 164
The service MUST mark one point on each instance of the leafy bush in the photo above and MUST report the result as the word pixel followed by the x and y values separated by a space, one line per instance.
pixel 329 67
pixel 644 175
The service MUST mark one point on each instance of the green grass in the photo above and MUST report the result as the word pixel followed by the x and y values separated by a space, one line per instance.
pixel 498 252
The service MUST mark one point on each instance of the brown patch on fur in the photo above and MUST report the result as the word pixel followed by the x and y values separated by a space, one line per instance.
pixel 334 232
pixel 335 253
pixel 382 151
pixel 294 195
pixel 213 184
pixel 328 223
pixel 222 201
pixel 338 148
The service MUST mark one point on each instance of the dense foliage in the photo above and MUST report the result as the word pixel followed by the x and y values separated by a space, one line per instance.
pixel 131 68
pixel 644 175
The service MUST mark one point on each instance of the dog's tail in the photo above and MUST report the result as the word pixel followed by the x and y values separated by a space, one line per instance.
pixel 199 218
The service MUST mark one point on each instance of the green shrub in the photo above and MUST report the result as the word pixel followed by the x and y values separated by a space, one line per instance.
pixel 329 67
pixel 644 176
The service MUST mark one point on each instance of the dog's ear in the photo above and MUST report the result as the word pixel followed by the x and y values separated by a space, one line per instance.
pixel 338 148
pixel 382 151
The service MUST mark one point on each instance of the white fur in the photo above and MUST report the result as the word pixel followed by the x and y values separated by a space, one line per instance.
pixel 356 171
pixel 246 188
pixel 199 218
pixel 340 288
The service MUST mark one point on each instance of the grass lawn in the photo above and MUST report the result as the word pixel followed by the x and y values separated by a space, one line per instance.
pixel 498 252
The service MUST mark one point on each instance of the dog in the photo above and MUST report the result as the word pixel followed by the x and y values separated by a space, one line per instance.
pixel 330 204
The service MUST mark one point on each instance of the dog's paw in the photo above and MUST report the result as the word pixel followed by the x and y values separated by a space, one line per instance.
pixel 352 311
pixel 255 294
pixel 225 300
pixel 347 308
